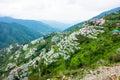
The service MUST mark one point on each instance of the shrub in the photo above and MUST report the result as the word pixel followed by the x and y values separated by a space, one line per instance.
pixel 75 63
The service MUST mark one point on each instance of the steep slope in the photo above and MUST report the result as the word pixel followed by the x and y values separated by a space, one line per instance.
pixel 57 25
pixel 32 24
pixel 11 33
pixel 66 56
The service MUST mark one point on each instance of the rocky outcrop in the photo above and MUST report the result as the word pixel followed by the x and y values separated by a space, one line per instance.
pixel 104 73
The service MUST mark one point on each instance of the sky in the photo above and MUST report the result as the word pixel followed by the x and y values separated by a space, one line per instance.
pixel 67 11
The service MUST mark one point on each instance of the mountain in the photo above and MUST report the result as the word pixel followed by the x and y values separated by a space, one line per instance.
pixel 32 24
pixel 88 52
pixel 106 13
pixel 11 33
pixel 98 16
pixel 57 25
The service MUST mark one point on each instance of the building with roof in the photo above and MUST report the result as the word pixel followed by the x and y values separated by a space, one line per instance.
pixel 116 32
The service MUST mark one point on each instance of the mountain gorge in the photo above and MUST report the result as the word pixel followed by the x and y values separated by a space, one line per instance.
pixel 79 54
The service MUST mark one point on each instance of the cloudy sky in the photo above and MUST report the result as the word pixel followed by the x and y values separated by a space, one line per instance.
pixel 59 10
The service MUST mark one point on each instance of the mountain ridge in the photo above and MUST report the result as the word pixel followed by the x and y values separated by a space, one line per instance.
pixel 106 13
pixel 32 24
pixel 98 16
pixel 11 33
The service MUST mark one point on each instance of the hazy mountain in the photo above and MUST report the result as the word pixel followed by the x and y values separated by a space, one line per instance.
pixel 107 12
pixel 98 16
pixel 11 33
pixel 57 25
pixel 32 24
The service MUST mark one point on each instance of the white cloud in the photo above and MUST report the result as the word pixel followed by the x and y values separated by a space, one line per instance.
pixel 60 10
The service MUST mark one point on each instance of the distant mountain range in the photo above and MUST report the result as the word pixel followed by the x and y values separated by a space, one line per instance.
pixel 57 25
pixel 11 33
pixel 98 16
pixel 32 24
pixel 14 30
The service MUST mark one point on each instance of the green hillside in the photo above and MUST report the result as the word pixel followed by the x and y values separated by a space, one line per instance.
pixel 11 33
pixel 69 55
